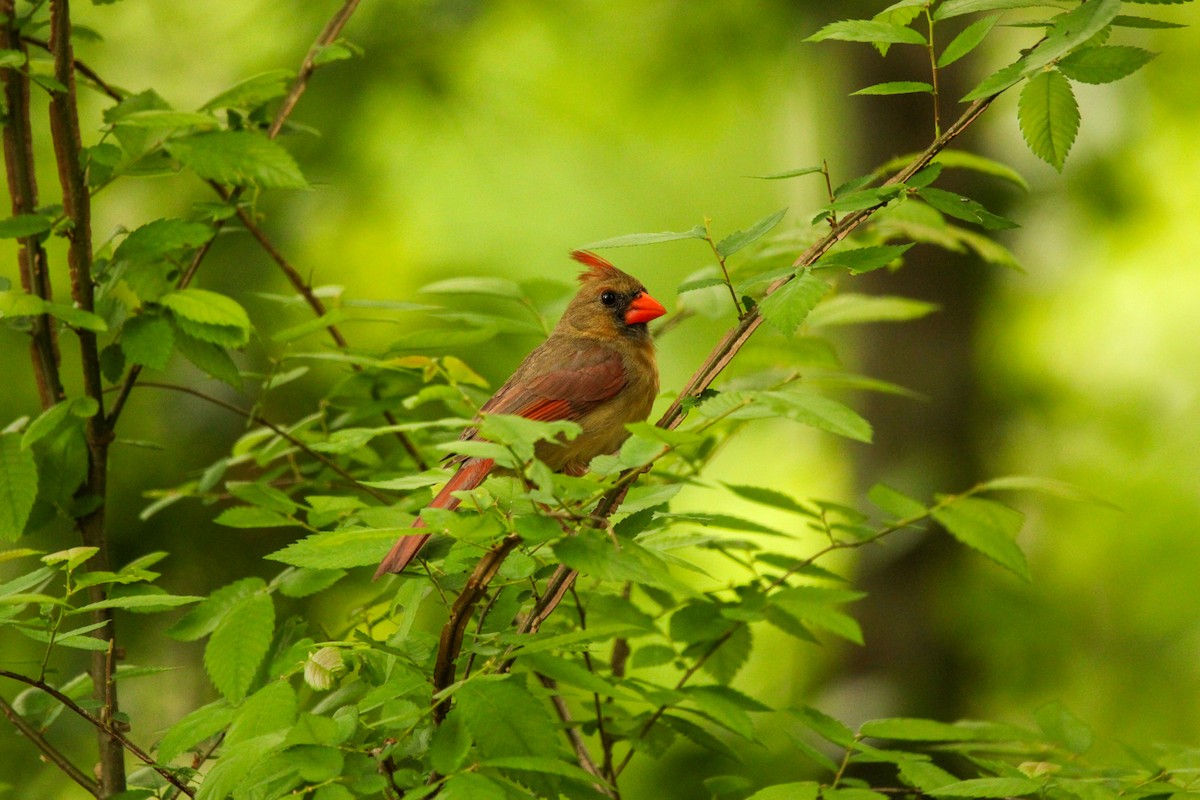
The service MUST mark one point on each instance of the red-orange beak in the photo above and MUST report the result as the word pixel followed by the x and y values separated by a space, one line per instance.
pixel 643 309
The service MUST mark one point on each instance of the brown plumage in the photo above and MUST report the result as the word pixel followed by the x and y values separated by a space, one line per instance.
pixel 596 369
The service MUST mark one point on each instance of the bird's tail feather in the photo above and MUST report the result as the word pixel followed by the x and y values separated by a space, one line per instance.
pixel 469 475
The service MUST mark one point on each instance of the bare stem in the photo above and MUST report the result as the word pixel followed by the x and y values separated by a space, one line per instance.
pixel 51 753
pixel 933 69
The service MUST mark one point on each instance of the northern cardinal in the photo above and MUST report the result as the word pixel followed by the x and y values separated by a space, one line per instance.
pixel 596 369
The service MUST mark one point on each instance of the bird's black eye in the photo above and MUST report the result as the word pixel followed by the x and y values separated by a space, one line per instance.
pixel 608 298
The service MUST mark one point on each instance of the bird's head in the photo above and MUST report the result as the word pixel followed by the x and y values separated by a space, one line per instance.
pixel 610 303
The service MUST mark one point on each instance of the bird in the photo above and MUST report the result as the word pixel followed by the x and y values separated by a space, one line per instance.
pixel 597 369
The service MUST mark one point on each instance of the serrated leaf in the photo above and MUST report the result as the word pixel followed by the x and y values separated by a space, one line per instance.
pixel 238 645
pixel 895 503
pixel 790 304
pixel 1064 728
pixel 815 606
pixel 791 173
pixel 505 719
pixel 18 485
pixel 821 412
pixel 567 672
pixel 466 786
pixel 863 259
pixel 908 729
pixel 168 118
pixel 799 790
pixel 252 517
pixel 544 765
pixel 861 30
pixel 728 659
pixel 768 497
pixel 990 788
pixel 148 340
pixel 1047 486
pixel 962 159
pixel 238 158
pixel 925 776
pixel 957 8
pixel 1124 21
pixel 988 527
pixel 160 238
pixel 23 225
pixel 964 208
pixel 855 309
pixel 740 239
pixel 211 310
pixel 967 40
pixel 488 287
pixel 146 601
pixel 1104 64
pixel 303 582
pixel 194 728
pixel 204 618
pixel 253 92
pixel 635 239
pixel 895 87
pixel 272 709
pixel 209 358
pixel 450 744
pixel 341 549
pixel 1049 117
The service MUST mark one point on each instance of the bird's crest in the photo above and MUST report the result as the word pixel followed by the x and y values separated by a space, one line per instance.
pixel 597 267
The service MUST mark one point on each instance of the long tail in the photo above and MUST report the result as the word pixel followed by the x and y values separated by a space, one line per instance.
pixel 469 475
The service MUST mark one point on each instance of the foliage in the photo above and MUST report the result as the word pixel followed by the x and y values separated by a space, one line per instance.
pixel 582 622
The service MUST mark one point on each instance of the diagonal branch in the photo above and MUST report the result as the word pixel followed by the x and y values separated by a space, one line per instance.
pixel 48 750
pixel 102 726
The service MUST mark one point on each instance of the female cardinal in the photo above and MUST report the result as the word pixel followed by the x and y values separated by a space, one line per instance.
pixel 597 369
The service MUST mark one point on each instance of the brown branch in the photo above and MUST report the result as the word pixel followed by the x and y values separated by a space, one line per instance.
pixel 48 750
pixel 102 726
pixel 64 130
pixel 328 36
pixel 460 615
pixel 83 69
pixel 23 191
pixel 266 423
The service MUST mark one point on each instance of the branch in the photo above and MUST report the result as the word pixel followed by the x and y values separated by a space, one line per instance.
pixel 22 189
pixel 460 615
pixel 328 36
pixel 574 737
pixel 64 130
pixel 50 751
pixel 103 727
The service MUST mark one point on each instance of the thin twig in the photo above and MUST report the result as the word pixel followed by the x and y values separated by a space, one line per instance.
pixel 76 201
pixel 83 69
pixel 100 725
pixel 266 423
pixel 575 737
pixel 50 751
pixel 328 36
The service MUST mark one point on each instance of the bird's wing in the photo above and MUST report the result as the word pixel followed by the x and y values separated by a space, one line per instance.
pixel 558 383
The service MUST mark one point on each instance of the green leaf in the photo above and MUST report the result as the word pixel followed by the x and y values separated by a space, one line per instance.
pixel 341 549
pixel 204 618
pixel 990 788
pixel 988 527
pixel 907 729
pixel 209 316
pixel 790 304
pixel 301 582
pixel 488 287
pixel 253 92
pixel 157 118
pixel 861 30
pixel 149 340
pixel 570 673
pixel 450 744
pixel 238 645
pixel 961 159
pixel 896 87
pixel 730 657
pixel 505 719
pixel 1104 64
pixel 210 358
pixel 895 503
pixel 1143 22
pixel 740 239
pixel 635 239
pixel 194 728
pixel 1047 486
pixel 77 317
pixel 863 259
pixel 967 40
pixel 155 601
pixel 964 208
pixel 1049 117
pixel 52 418
pixel 767 497
pixel 161 238
pixel 238 158
pixel 468 786
pixel 727 707
pixel 826 727
pixel 546 766
pixel 23 225
pixel 252 517
pixel 791 173
pixel 957 8
pixel 1064 728
pixel 924 775
pixel 18 485
pixel 855 309
pixel 799 790
pixel 814 605
pixel 326 320
pixel 272 709
pixel 821 412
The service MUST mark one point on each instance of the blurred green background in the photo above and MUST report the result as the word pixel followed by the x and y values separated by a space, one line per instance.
pixel 477 138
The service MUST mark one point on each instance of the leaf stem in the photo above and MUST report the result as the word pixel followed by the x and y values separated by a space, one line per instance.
pixel 933 69
pixel 725 272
